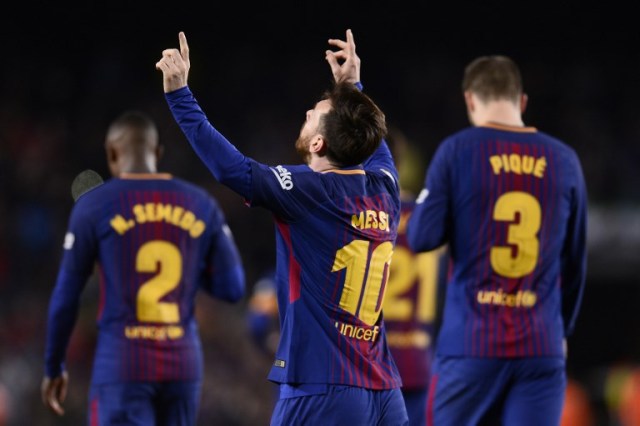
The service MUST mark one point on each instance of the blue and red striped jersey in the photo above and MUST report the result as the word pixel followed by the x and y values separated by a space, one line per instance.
pixel 512 204
pixel 156 240
pixel 411 305
pixel 335 233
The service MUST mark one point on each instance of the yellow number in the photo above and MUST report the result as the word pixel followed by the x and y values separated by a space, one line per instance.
pixel 355 258
pixel 165 259
pixel 522 235
pixel 406 269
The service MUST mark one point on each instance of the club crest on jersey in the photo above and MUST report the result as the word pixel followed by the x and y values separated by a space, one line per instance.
pixel 284 177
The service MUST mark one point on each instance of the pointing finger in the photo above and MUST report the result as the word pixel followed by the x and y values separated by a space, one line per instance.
pixel 350 40
pixel 184 47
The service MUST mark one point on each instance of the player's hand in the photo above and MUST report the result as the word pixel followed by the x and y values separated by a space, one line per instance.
pixel 175 65
pixel 54 392
pixel 344 63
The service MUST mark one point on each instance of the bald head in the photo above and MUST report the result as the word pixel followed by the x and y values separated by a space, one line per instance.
pixel 132 144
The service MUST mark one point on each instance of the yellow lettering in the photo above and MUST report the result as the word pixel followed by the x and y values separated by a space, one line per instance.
pixel 515 163
pixel 119 224
pixel 384 221
pixel 138 211
pixel 526 298
pixel 163 212
pixel 360 333
pixel 372 221
pixel 505 163
pixel 151 212
pixel 518 164
pixel 540 167
pixel 197 229
pixel 496 164
pixel 527 164
pixel 357 221
pixel 187 220
pixel 177 214
pixel 151 332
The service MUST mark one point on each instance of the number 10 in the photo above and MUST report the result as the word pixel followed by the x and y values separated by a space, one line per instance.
pixel 360 284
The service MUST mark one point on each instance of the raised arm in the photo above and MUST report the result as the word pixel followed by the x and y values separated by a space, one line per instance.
pixel 228 165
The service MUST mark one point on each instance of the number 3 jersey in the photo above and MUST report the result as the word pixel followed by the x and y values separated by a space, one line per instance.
pixel 156 240
pixel 512 204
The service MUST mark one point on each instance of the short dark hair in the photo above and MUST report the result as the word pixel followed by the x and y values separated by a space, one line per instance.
pixel 139 127
pixel 354 127
pixel 133 119
pixel 493 77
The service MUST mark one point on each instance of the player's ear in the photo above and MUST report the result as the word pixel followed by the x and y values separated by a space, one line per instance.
pixel 159 152
pixel 112 159
pixel 468 100
pixel 318 145
pixel 524 99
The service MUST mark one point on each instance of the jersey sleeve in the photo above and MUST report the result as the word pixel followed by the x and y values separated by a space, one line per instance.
pixel 382 160
pixel 426 228
pixel 574 256
pixel 287 191
pixel 228 165
pixel 80 249
pixel 224 276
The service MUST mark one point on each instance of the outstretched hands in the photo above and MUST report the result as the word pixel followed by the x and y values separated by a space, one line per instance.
pixel 349 70
pixel 175 65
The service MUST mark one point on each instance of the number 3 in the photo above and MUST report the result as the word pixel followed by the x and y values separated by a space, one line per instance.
pixel 522 235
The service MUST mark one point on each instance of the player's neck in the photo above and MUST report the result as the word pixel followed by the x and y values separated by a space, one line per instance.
pixel 498 112
pixel 320 164
pixel 138 167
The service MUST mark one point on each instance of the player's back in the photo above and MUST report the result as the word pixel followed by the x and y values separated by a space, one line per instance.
pixel 336 232
pixel 153 236
pixel 513 193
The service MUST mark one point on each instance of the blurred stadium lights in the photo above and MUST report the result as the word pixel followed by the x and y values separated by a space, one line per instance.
pixel 613 240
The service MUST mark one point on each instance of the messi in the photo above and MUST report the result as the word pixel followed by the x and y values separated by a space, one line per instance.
pixel 371 219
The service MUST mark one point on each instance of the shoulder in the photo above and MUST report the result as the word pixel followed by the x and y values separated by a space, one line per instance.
pixel 561 147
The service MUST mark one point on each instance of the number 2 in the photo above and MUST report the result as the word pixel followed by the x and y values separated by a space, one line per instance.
pixel 355 258
pixel 168 258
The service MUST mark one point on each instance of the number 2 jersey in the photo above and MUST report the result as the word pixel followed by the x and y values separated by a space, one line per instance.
pixel 156 240
pixel 335 233
pixel 512 203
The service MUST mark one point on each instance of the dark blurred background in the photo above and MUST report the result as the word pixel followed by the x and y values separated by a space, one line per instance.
pixel 66 72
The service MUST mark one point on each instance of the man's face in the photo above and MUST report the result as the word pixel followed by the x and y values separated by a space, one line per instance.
pixel 311 129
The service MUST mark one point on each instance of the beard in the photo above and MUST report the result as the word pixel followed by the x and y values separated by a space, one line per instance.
pixel 302 148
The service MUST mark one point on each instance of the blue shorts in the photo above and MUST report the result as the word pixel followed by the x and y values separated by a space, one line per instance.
pixel 144 403
pixel 416 402
pixel 338 405
pixel 479 391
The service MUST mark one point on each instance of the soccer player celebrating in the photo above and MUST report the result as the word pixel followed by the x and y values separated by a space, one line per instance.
pixel 336 222
pixel 511 203
pixel 157 240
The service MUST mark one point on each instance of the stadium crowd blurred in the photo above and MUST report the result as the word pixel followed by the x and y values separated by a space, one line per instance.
pixel 52 127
